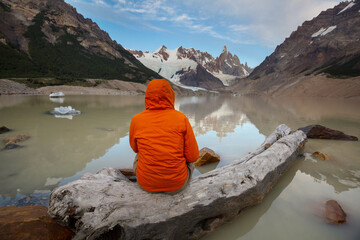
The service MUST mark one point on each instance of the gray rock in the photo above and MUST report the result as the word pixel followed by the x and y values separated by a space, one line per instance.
pixel 108 204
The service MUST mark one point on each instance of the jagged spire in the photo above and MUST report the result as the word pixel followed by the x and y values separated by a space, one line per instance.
pixel 225 49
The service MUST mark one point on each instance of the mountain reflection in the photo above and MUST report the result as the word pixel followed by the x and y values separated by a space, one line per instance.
pixel 220 114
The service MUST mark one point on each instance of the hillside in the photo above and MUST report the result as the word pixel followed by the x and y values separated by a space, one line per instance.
pixel 321 58
pixel 191 67
pixel 49 39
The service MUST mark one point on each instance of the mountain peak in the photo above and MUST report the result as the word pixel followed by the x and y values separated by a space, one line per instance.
pixel 162 48
pixel 225 49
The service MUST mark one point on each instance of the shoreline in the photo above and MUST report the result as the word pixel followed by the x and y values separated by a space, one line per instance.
pixel 118 87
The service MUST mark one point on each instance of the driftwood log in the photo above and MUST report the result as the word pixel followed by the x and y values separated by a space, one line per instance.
pixel 106 205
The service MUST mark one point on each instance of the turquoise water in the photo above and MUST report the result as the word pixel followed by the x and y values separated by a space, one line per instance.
pixel 62 150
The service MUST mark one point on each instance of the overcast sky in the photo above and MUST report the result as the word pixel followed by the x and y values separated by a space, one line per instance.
pixel 250 29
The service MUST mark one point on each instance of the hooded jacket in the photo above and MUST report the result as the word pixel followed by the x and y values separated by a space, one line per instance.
pixel 163 139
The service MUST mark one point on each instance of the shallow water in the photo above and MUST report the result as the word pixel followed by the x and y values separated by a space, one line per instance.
pixel 62 150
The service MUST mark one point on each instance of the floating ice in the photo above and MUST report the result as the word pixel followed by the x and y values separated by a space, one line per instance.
pixel 65 111
pixel 56 94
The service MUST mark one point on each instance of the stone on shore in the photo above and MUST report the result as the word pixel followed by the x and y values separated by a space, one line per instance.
pixel 30 222
pixel 334 213
pixel 4 129
pixel 321 156
pixel 206 155
pixel 321 132
pixel 15 139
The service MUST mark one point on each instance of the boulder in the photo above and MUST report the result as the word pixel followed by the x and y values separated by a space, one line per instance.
pixel 32 223
pixel 321 156
pixel 15 139
pixel 206 155
pixel 4 129
pixel 321 132
pixel 334 214
pixel 106 204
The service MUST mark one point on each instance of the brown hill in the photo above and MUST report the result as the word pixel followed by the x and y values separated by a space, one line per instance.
pixel 321 58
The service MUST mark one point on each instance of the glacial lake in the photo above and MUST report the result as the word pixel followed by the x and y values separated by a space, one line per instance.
pixel 61 150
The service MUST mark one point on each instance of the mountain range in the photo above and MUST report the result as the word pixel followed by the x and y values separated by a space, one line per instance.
pixel 320 59
pixel 48 38
pixel 191 67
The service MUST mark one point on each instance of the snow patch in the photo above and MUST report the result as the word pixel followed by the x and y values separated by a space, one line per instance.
pixel 323 31
pixel 330 29
pixel 170 66
pixel 318 32
pixel 347 7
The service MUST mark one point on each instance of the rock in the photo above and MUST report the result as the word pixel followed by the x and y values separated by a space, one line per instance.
pixel 107 204
pixel 334 213
pixel 15 139
pixel 321 132
pixel 11 146
pixel 4 129
pixel 206 155
pixel 321 156
pixel 30 222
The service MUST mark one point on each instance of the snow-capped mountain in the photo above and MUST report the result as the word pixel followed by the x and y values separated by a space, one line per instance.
pixel 191 67
pixel 320 59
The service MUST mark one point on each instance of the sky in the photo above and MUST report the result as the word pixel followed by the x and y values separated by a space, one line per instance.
pixel 251 29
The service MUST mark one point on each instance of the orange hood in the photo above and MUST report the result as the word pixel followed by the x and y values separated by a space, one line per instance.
pixel 159 95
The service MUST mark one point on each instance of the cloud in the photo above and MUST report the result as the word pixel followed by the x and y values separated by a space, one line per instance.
pixel 267 22
pixel 262 22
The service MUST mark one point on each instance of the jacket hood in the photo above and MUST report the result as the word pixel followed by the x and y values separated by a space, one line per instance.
pixel 159 95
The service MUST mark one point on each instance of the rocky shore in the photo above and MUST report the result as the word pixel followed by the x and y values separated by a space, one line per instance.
pixel 97 87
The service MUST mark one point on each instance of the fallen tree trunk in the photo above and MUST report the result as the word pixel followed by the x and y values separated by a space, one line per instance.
pixel 107 205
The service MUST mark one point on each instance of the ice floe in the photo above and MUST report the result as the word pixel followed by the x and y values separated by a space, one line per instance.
pixel 65 111
pixel 57 94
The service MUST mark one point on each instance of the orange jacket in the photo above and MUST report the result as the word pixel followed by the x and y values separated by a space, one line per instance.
pixel 164 140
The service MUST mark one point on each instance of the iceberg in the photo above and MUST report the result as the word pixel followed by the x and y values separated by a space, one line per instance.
pixel 65 111
pixel 56 94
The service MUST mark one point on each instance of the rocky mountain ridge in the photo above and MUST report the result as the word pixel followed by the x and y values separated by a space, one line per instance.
pixel 192 67
pixel 307 62
pixel 48 38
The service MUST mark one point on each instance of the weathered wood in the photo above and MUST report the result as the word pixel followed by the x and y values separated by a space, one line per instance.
pixel 107 204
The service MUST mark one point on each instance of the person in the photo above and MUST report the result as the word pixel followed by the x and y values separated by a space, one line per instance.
pixel 164 142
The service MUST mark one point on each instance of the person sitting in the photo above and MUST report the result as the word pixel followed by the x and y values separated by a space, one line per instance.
pixel 164 142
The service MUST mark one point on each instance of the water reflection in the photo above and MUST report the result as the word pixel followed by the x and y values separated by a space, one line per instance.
pixel 60 150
